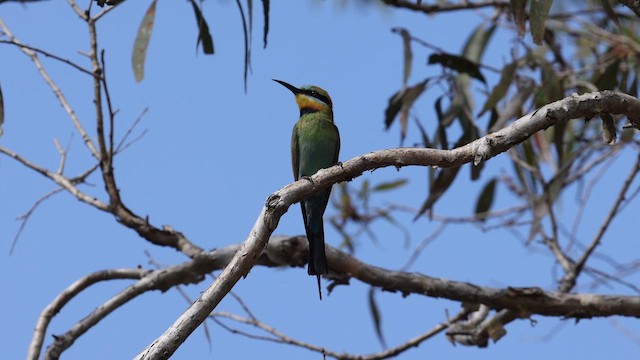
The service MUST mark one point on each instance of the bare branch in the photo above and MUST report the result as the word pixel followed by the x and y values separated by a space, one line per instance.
pixel 61 98
pixel 575 106
pixel 69 293
pixel 445 6
pixel 64 182
pixel 47 54
pixel 24 218
pixel 570 279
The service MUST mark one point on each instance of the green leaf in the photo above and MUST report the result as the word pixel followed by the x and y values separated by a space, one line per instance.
pixel 347 241
pixel 407 53
pixel 203 30
pixel 376 316
pixel 462 104
pixel 519 15
pixel 442 182
pixel 558 140
pixel 392 110
pixel 500 90
pixel 633 88
pixel 141 44
pixel 477 43
pixel 423 133
pixel 247 49
pixel 539 11
pixel 385 186
pixel 476 170
pixel 609 79
pixel 485 200
pixel 250 11
pixel 612 14
pixel 400 103
pixel 457 63
pixel 265 10
pixel 1 112
pixel 551 89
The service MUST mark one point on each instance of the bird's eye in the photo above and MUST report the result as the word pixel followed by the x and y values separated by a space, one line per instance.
pixel 313 92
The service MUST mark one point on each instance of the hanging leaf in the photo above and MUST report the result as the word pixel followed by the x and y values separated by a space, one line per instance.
pixel 401 103
pixel 485 200
pixel 265 10
pixel 376 316
pixel 1 112
pixel 610 13
pixel 385 186
pixel 476 170
pixel 539 11
pixel 559 130
pixel 457 63
pixel 347 241
pixel 609 78
pixel 633 88
pixel 423 133
pixel 441 130
pixel 247 50
pixel 500 90
pixel 203 31
pixel 442 182
pixel 141 44
pixel 347 211
pixel 477 43
pixel 462 104
pixel 250 11
pixel 551 89
pixel 519 15
pixel 407 53
pixel 513 109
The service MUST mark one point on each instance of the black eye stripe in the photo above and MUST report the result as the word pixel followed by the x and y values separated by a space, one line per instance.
pixel 318 96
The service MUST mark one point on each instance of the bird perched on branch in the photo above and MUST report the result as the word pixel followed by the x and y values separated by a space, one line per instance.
pixel 315 144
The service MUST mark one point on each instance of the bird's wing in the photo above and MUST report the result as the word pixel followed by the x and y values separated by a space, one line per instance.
pixel 295 152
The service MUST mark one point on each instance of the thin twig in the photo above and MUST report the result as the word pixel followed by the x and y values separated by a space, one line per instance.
pixel 24 218
pixel 66 183
pixel 61 98
pixel 67 295
pixel 47 54
pixel 570 278
pixel 122 145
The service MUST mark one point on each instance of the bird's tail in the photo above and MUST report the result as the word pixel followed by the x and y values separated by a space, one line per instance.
pixel 317 256
pixel 312 211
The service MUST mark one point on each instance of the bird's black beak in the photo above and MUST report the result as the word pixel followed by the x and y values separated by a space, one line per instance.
pixel 293 89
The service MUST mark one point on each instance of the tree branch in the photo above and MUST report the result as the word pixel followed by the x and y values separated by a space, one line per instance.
pixel 69 293
pixel 61 98
pixel 446 6
pixel 575 106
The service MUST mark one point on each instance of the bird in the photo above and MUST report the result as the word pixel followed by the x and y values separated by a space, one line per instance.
pixel 315 145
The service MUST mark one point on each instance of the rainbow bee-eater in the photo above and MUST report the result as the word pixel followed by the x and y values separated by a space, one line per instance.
pixel 315 144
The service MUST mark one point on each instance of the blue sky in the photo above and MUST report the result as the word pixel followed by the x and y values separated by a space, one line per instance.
pixel 212 154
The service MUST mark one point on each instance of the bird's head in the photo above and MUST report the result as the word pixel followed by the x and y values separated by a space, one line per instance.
pixel 310 98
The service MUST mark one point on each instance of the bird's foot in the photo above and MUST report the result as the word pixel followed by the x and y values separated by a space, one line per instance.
pixel 308 178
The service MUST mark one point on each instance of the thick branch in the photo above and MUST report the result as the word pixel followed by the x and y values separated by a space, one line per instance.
pixel 69 293
pixel 575 106
pixel 292 251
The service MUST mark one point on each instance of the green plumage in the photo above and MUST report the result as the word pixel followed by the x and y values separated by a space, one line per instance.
pixel 315 144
